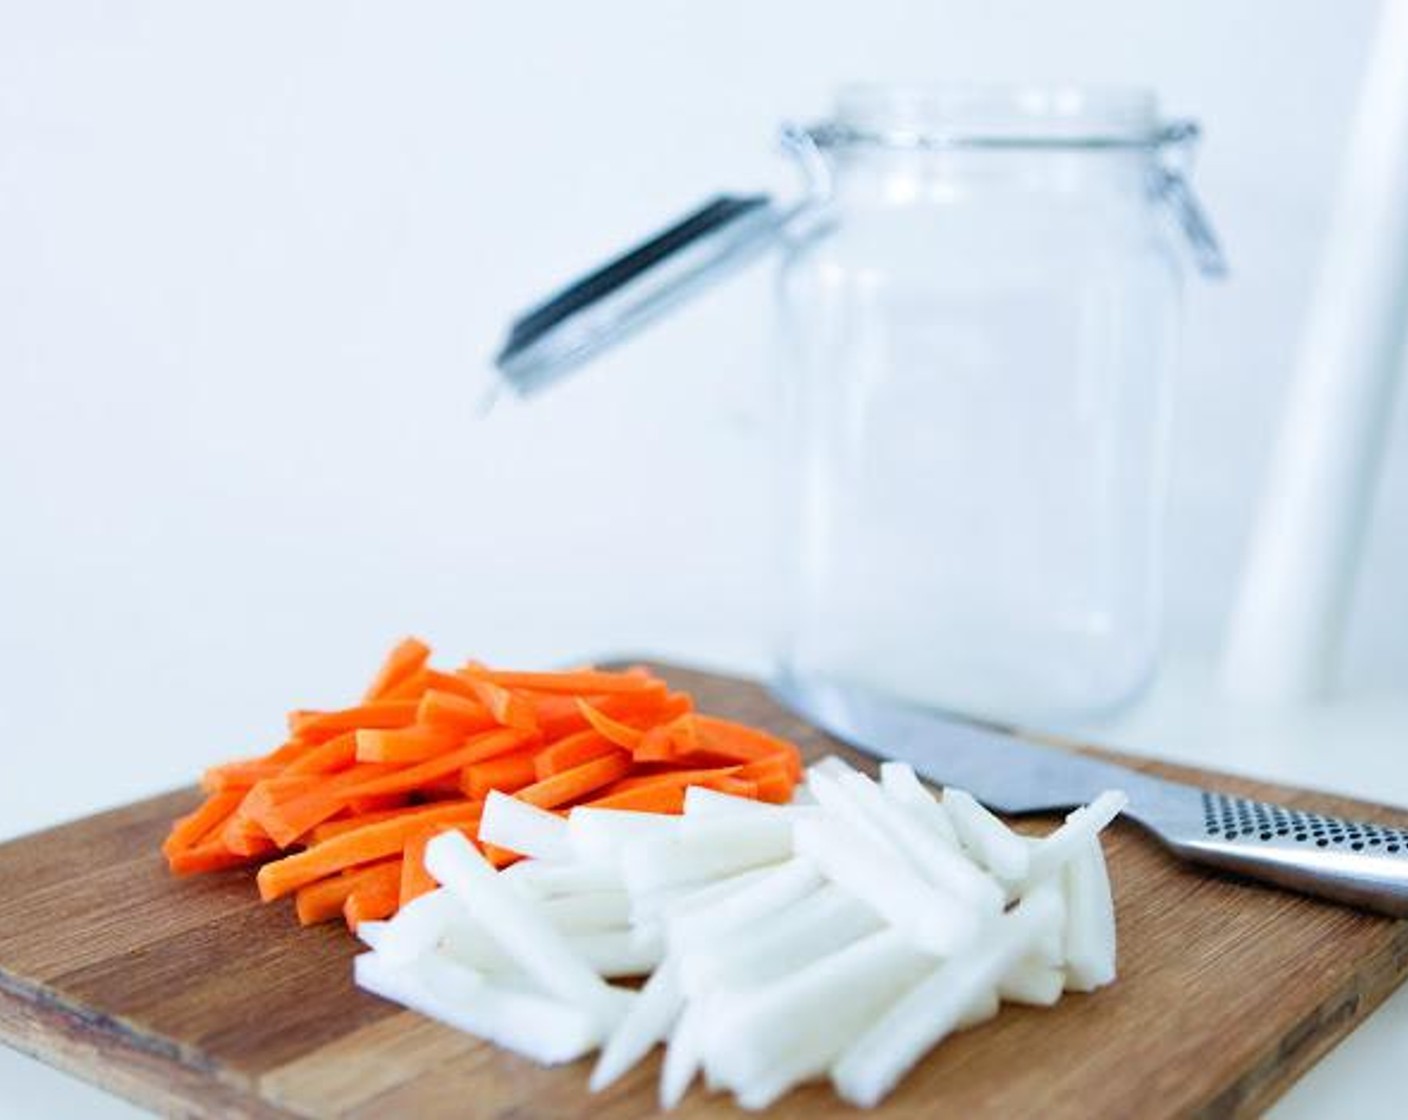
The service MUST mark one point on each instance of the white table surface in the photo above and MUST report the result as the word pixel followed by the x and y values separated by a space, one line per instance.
pixel 1358 747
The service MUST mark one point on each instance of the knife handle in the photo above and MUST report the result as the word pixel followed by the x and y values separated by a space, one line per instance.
pixel 1349 861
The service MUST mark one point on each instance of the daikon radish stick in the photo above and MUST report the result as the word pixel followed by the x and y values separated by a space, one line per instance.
pixel 647 1023
pixel 550 880
pixel 1090 921
pixel 727 846
pixel 525 829
pixel 992 843
pixel 590 912
pixel 523 933
pixel 668 902
pixel 902 786
pixel 945 867
pixel 985 1006
pixel 1073 837
pixel 825 784
pixel 598 835
pixel 1050 947
pixel 874 1062
pixel 543 1029
pixel 1031 980
pixel 700 801
pixel 683 1055
pixel 778 888
pixel 934 922
pixel 617 953
pixel 467 943
pixel 803 1021
pixel 417 927
pixel 820 924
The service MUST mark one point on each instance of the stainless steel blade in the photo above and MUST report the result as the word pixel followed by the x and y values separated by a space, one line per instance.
pixel 995 766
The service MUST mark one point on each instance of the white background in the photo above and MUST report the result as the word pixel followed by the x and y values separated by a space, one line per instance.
pixel 254 258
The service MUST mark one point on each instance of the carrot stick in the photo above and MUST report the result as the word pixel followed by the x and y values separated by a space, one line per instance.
pixel 337 753
pixel 194 827
pixel 438 707
pixel 623 735
pixel 508 707
pixel 243 836
pixel 322 901
pixel 415 879
pixel 572 785
pixel 507 773
pixel 212 856
pixel 669 740
pixel 406 744
pixel 375 896
pixel 746 744
pixel 406 658
pixel 287 821
pixel 238 775
pixel 644 799
pixel 680 778
pixel 350 823
pixel 573 682
pixel 362 845
pixel 318 726
pixel 572 750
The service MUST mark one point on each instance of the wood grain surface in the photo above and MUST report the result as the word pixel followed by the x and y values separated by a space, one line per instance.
pixel 193 998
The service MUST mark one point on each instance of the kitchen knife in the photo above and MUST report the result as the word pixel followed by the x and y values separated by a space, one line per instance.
pixel 1354 862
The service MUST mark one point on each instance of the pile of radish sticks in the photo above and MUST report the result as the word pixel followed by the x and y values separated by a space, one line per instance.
pixel 843 934
pixel 340 814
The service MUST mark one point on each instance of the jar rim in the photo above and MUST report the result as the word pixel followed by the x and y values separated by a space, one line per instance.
pixel 973 115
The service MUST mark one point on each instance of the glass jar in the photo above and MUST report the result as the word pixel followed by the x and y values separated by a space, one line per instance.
pixel 978 336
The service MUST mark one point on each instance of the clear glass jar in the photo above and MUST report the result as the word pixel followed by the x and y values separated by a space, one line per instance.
pixel 979 345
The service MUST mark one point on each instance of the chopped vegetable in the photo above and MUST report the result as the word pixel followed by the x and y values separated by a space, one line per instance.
pixel 781 943
pixel 362 787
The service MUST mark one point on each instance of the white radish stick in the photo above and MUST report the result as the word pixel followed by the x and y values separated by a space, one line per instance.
pixel 417 927
pixel 902 786
pixel 874 1062
pixel 647 1023
pixel 944 866
pixel 803 1021
pixel 937 923
pixel 1090 921
pixel 525 829
pixel 668 902
pixel 591 912
pixel 778 888
pixel 548 880
pixel 825 783
pixel 992 843
pixel 521 931
pixel 820 924
pixel 723 847
pixel 985 1006
pixel 600 835
pixel 1032 981
pixel 682 1056
pixel 546 1030
pixel 1072 838
pixel 1050 947
pixel 616 953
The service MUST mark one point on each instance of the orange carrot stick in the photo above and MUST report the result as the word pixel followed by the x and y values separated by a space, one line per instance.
pixel 572 785
pixel 574 682
pixel 337 753
pixel 507 773
pixel 212 856
pixel 645 799
pixel 440 708
pixel 238 775
pixel 322 901
pixel 572 750
pixel 350 823
pixel 287 821
pixel 406 658
pixel 406 744
pixel 509 708
pixel 623 735
pixel 194 827
pixel 375 896
pixel 317 726
pixel 375 841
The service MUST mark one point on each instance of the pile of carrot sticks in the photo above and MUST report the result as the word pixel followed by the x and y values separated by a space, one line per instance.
pixel 339 815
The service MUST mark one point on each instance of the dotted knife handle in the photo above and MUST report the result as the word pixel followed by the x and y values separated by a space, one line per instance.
pixel 1355 862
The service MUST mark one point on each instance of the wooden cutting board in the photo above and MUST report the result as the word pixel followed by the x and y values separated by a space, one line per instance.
pixel 191 997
